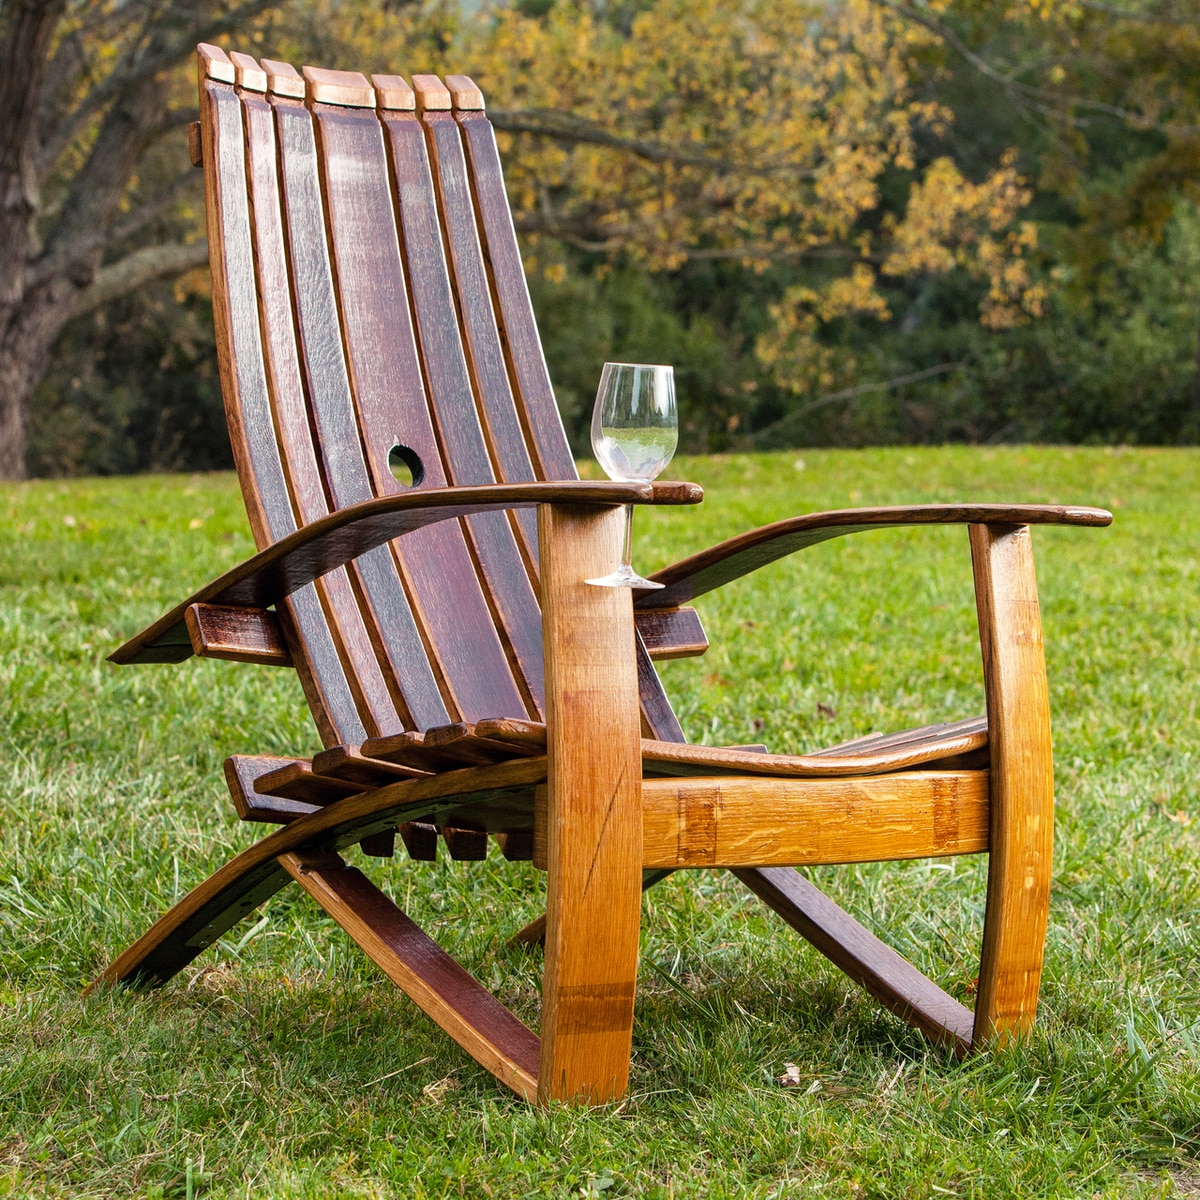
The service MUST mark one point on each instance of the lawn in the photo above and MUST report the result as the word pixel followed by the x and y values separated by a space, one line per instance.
pixel 281 1063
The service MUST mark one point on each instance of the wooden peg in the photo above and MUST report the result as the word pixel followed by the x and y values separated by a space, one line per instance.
pixel 432 94
pixel 465 96
pixel 283 79
pixel 347 88
pixel 214 63
pixel 393 93
pixel 248 74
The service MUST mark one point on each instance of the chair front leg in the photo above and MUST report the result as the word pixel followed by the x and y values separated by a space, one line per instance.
pixel 1022 782
pixel 594 822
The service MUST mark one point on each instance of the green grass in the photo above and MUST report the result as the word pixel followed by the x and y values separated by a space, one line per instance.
pixel 281 1064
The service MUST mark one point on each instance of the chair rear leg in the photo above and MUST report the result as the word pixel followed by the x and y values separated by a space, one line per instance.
pixel 593 811
pixel 1022 782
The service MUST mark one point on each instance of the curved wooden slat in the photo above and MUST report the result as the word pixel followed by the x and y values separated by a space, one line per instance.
pixel 720 564
pixel 308 553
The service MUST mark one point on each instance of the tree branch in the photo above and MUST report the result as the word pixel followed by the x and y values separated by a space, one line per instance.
pixel 140 267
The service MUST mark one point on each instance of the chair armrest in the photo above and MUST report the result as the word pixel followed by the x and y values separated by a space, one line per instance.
pixel 342 536
pixel 720 564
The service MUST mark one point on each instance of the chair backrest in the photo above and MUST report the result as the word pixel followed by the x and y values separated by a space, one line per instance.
pixel 373 320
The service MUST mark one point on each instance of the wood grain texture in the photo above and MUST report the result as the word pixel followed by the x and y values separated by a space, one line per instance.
pixel 392 92
pixel 464 94
pixel 431 92
pixel 526 363
pixel 1022 770
pixel 376 706
pixel 385 606
pixel 420 840
pixel 195 144
pixel 345 762
pixel 480 331
pixel 214 64
pixel 250 635
pixel 339 87
pixel 465 845
pixel 509 590
pixel 296 781
pixel 318 548
pixel 247 73
pixel 738 556
pixel 773 822
pixel 241 773
pixel 593 821
pixel 671 632
pixel 248 410
pixel 893 981
pixel 471 1015
pixel 283 79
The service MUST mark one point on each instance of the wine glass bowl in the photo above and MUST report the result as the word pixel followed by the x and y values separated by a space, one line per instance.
pixel 635 429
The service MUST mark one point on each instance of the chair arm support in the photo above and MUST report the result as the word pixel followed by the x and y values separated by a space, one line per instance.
pixel 729 560
pixel 335 540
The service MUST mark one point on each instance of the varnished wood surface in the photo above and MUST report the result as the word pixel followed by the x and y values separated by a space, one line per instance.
pixel 296 781
pixel 593 824
pixel 671 632
pixel 738 556
pixel 242 771
pixel 250 635
pixel 893 981
pixel 393 93
pixel 464 94
pixel 1022 769
pixel 214 64
pixel 773 822
pixel 339 87
pixel 311 552
pixel 470 1014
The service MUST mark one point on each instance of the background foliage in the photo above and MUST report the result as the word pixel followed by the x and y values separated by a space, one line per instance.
pixel 853 224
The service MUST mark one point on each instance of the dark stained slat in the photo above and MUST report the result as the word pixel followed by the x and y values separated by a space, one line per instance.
pixel 296 781
pixel 729 560
pixel 465 845
pixel 345 762
pixel 452 403
pixel 893 981
pixel 523 348
pixel 375 704
pixel 420 840
pixel 481 335
pixel 247 404
pixel 311 552
pixel 251 635
pixel 658 717
pixel 389 399
pixel 671 632
pixel 386 610
pixel 241 773
pixel 516 844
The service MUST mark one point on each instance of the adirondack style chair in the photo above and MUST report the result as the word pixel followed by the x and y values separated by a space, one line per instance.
pixel 423 544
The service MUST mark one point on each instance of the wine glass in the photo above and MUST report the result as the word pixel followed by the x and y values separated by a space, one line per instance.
pixel 634 431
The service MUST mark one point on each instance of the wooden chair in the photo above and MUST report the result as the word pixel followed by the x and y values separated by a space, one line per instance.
pixel 372 321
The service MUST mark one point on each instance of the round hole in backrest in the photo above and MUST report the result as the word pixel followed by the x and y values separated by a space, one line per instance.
pixel 406 466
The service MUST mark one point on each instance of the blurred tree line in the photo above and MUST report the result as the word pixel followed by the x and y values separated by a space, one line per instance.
pixel 845 223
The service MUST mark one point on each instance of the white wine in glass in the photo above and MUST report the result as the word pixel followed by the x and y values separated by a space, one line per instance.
pixel 634 432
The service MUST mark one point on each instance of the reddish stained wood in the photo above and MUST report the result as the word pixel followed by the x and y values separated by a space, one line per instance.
pixel 374 700
pixel 339 87
pixel 464 94
pixel 393 92
pixel 345 762
pixel 248 74
pixel 284 80
pixel 739 556
pixel 470 1014
pixel 1018 702
pixel 465 845
pixel 420 840
pixel 389 397
pixel 195 144
pixel 296 781
pixel 516 844
pixel 241 773
pixel 248 409
pixel 671 632
pixel 480 333
pixel 214 64
pixel 251 635
pixel 523 348
pixel 431 92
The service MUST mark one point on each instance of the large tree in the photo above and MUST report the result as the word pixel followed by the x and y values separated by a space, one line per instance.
pixel 86 91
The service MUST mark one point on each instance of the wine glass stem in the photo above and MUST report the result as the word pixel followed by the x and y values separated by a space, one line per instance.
pixel 627 553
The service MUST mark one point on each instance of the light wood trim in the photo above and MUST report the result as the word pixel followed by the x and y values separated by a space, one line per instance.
pixel 348 88
pixel 470 1014
pixel 215 64
pixel 283 79
pixel 251 635
pixel 393 93
pixel 464 94
pixel 594 828
pixel 248 73
pixel 1018 706
pixel 788 822
pixel 432 94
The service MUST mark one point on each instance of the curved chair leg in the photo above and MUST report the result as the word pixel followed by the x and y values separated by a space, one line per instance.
pixel 593 807
pixel 1022 782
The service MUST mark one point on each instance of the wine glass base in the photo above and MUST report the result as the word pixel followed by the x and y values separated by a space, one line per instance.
pixel 624 576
